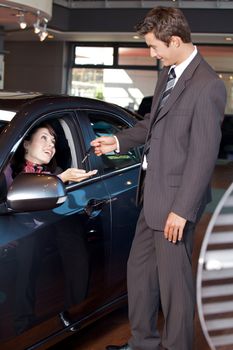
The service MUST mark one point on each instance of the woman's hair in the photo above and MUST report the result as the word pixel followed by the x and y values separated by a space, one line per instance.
pixel 18 161
pixel 165 22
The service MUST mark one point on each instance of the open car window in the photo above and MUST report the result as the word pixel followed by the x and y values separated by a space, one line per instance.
pixel 107 125
pixel 65 150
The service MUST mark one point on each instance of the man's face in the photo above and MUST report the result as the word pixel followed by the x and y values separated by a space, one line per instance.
pixel 160 50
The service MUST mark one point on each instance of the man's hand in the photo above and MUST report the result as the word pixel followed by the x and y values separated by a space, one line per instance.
pixel 104 144
pixel 174 227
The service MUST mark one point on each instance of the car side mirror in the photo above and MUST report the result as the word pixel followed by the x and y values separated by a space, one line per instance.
pixel 30 192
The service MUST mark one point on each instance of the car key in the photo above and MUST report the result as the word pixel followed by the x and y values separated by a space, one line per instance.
pixel 87 154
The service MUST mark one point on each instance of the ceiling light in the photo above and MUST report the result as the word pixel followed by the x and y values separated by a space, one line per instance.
pixel 22 22
pixel 23 25
pixel 43 33
pixel 36 26
pixel 43 36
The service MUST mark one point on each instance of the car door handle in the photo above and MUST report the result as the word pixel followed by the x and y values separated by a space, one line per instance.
pixel 94 206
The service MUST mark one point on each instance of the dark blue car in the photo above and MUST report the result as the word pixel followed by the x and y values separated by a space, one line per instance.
pixel 63 248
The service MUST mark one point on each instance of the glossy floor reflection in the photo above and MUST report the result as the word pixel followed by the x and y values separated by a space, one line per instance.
pixel 114 328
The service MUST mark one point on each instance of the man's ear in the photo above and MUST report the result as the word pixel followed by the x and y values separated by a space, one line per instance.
pixel 175 41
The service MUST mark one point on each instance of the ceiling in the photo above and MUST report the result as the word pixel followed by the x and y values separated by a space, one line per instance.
pixel 12 31
pixel 28 35
pixel 9 19
pixel 145 3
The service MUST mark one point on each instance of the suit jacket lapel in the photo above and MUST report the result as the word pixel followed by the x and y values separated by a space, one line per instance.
pixel 158 94
pixel 180 86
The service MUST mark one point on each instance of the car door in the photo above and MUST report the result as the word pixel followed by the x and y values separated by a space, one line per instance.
pixel 52 262
pixel 120 176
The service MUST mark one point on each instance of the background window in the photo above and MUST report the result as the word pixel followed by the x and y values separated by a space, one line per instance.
pixel 220 59
pixel 124 75
pixel 124 87
pixel 85 55
pixel 135 56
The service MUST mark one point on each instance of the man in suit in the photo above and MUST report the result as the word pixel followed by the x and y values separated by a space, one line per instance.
pixel 181 135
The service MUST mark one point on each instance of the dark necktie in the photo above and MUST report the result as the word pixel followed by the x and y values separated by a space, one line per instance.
pixel 168 88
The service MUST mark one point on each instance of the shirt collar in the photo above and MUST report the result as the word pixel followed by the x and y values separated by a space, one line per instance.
pixel 182 66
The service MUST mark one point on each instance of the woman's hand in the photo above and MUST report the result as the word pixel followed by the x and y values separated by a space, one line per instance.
pixel 76 175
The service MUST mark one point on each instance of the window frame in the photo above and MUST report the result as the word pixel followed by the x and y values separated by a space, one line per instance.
pixel 115 64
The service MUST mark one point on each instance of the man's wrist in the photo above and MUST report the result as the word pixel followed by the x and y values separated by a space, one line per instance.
pixel 117 150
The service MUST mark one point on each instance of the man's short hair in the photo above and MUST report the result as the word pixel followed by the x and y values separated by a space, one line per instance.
pixel 165 22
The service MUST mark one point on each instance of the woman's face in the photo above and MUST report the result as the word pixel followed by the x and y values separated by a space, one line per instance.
pixel 41 148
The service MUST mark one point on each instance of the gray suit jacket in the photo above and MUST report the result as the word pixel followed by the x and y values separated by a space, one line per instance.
pixel 185 138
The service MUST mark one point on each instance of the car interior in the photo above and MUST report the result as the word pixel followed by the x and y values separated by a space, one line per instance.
pixel 63 153
pixel 113 161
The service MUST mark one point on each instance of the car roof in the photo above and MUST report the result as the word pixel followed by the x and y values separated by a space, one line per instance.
pixel 15 101
pixel 25 109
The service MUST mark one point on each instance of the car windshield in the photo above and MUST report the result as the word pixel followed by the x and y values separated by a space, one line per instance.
pixel 5 118
pixel 11 102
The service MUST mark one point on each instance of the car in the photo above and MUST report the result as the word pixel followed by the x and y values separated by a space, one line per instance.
pixel 63 247
pixel 145 105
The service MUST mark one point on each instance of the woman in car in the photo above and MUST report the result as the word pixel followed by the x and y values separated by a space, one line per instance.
pixel 36 155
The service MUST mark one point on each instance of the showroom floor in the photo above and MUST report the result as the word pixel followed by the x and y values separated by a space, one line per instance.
pixel 114 328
